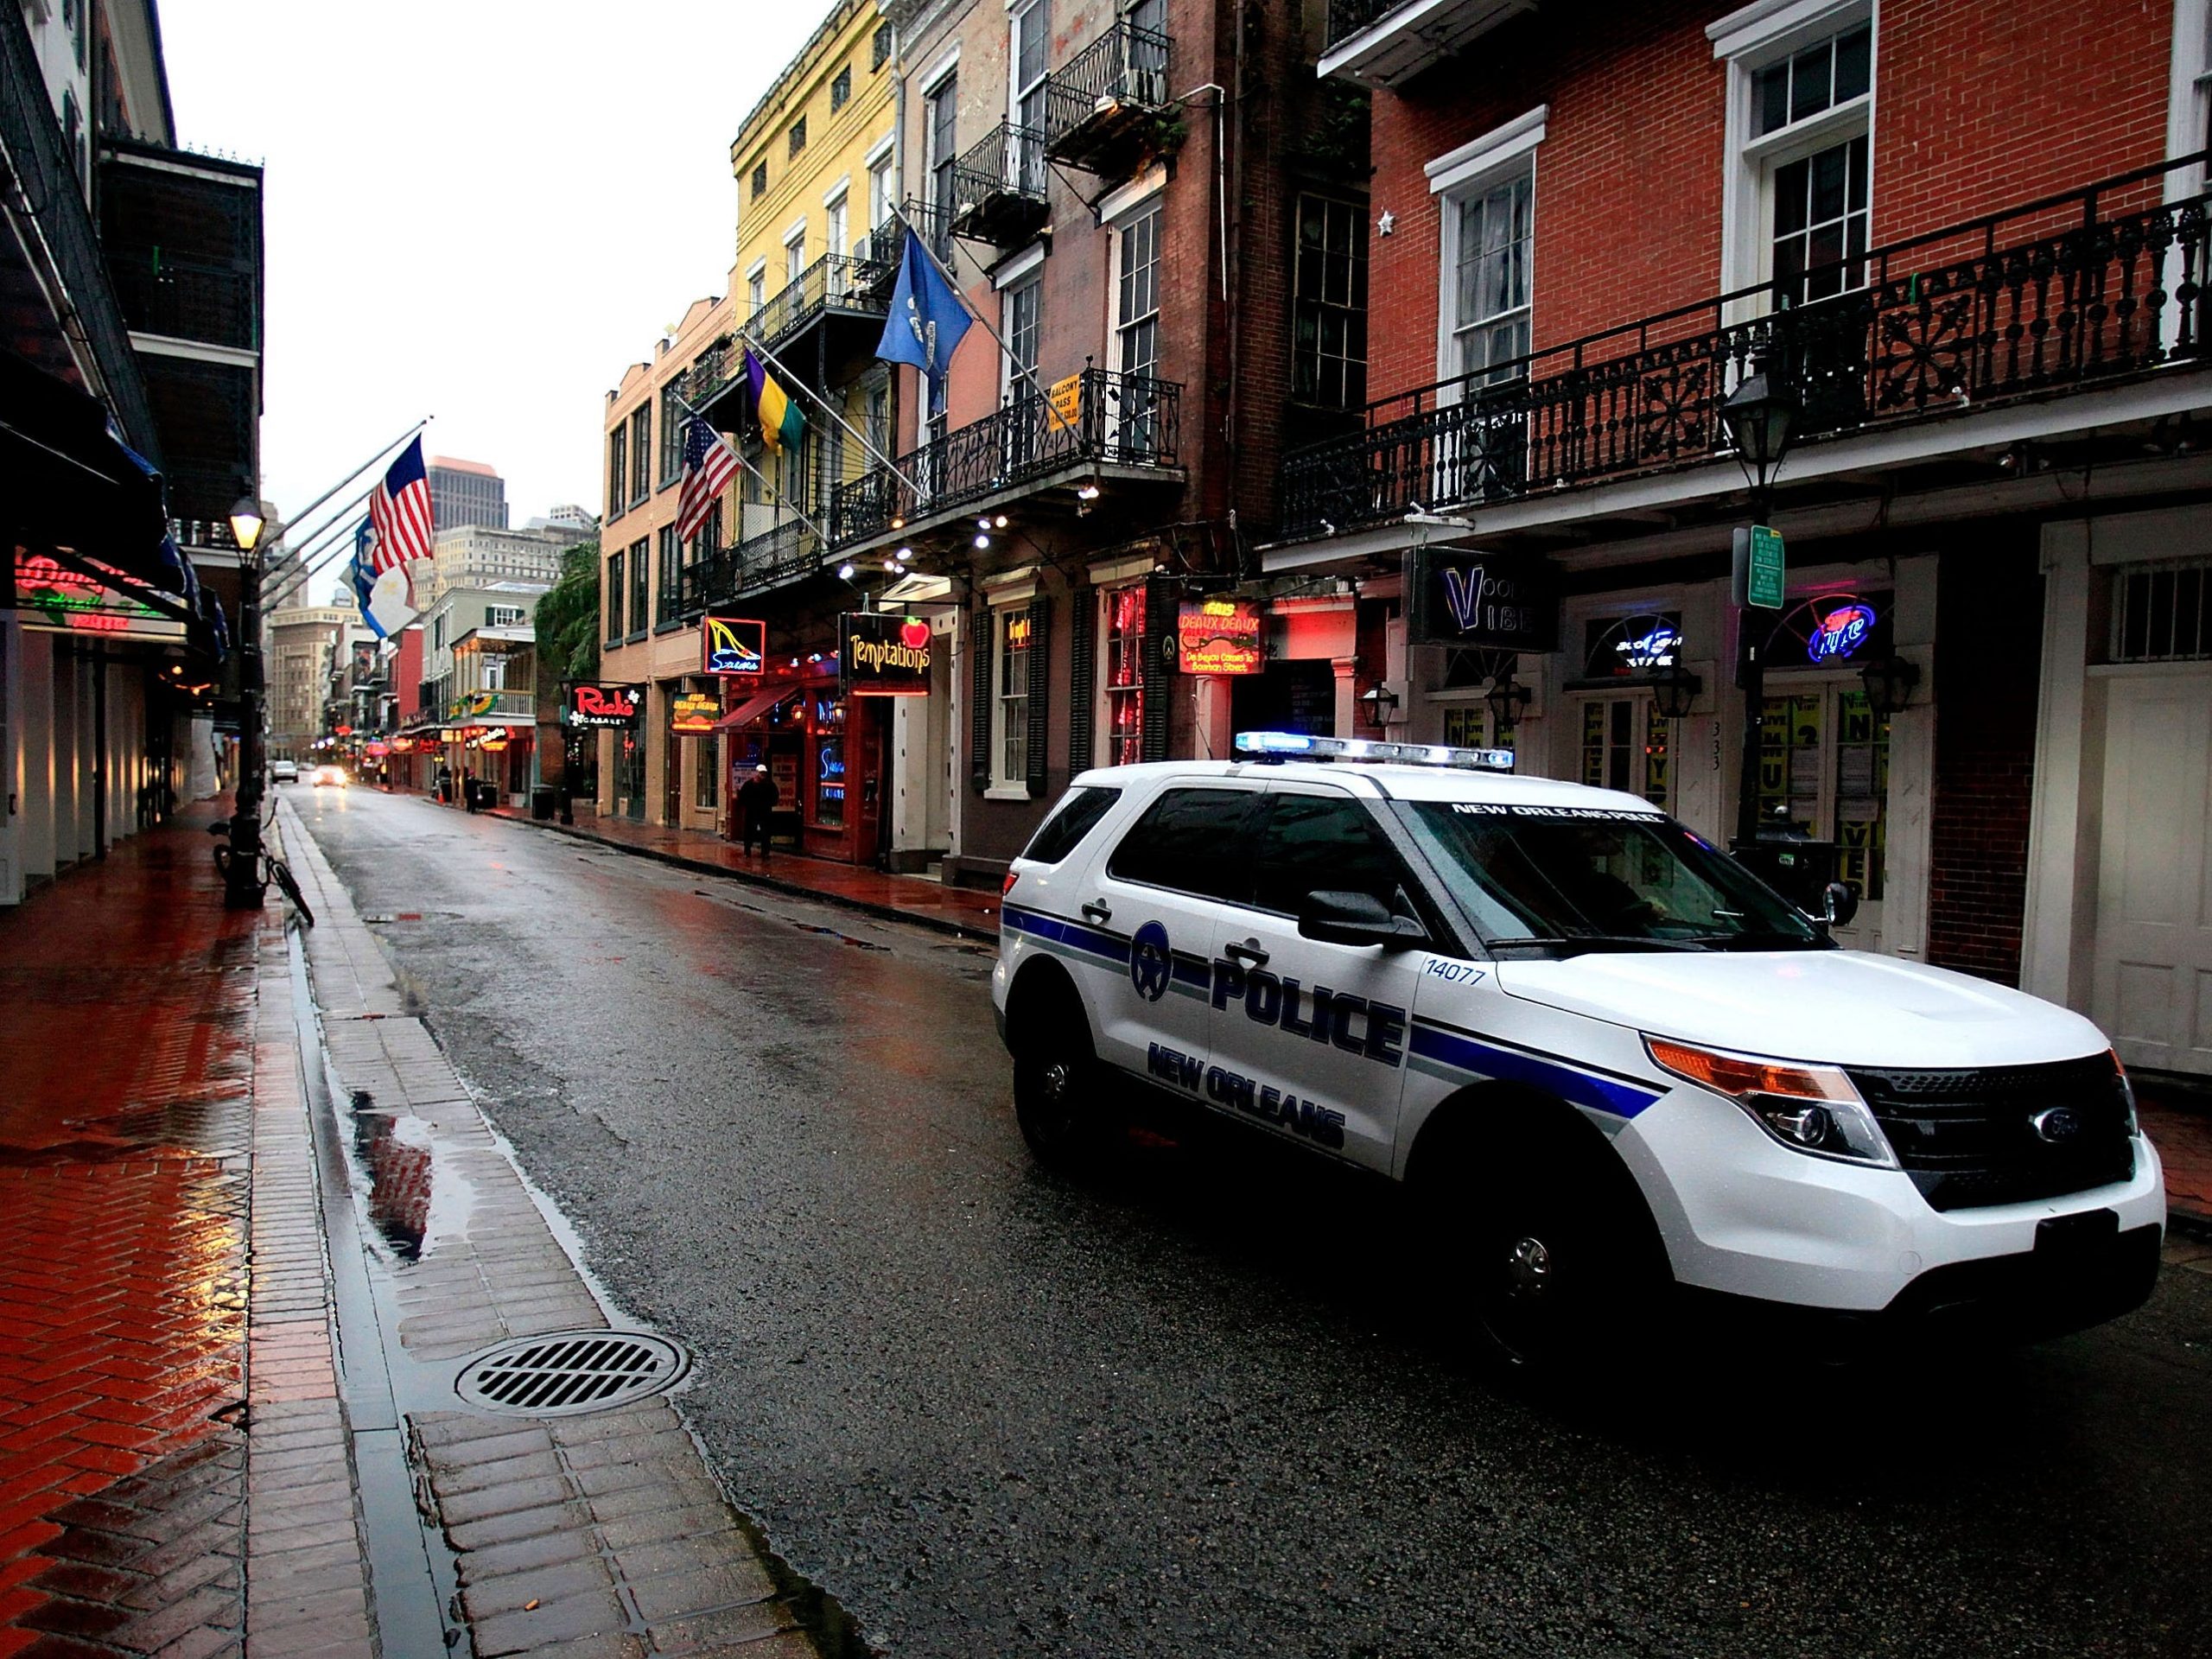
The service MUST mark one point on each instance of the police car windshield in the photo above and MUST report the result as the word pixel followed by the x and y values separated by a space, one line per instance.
pixel 1570 879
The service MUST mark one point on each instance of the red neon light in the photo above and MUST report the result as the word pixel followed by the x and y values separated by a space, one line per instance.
pixel 592 701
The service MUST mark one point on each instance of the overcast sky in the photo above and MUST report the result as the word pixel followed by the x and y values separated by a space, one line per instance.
pixel 479 210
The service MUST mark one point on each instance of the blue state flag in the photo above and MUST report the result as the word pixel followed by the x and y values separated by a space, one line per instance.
pixel 927 319
pixel 385 595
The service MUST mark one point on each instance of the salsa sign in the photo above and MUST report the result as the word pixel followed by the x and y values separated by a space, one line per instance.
pixel 1218 635
pixel 1462 597
pixel 881 656
pixel 601 706
pixel 733 645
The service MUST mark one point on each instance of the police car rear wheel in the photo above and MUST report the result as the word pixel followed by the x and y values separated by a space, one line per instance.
pixel 1055 1101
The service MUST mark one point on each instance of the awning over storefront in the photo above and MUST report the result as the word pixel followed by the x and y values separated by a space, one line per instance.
pixel 74 485
pixel 756 707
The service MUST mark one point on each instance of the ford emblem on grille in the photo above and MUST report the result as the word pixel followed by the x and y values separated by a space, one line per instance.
pixel 2058 1125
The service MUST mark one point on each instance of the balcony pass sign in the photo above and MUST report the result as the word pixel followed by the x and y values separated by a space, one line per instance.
pixel 597 706
pixel 1465 598
pixel 881 656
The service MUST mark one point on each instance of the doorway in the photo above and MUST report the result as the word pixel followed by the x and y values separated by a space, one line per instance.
pixel 1297 695
pixel 2153 970
pixel 1824 769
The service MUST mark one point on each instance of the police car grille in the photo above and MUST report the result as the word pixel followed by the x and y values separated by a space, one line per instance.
pixel 1968 1138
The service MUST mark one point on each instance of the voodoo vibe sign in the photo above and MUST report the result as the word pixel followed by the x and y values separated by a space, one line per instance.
pixel 1467 598
pixel 881 656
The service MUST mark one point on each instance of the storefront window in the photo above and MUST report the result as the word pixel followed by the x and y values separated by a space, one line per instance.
pixel 1467 726
pixel 1010 715
pixel 1827 740
pixel 708 759
pixel 1124 656
pixel 826 719
pixel 1626 746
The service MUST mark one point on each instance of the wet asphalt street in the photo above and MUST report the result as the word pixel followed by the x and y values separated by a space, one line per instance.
pixel 1178 1412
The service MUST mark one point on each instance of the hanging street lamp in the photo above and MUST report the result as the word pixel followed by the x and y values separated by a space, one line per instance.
pixel 243 886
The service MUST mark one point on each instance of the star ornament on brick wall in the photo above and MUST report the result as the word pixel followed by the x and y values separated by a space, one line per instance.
pixel 1386 223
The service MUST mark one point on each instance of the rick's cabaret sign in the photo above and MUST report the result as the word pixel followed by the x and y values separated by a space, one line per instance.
pixel 602 705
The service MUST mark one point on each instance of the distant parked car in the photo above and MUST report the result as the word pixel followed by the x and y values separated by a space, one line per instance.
pixel 283 771
pixel 334 776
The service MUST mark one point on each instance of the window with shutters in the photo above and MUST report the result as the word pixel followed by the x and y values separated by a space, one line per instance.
pixel 1010 632
pixel 1122 692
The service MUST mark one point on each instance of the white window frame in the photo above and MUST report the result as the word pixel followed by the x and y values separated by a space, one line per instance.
pixel 1103 713
pixel 1029 279
pixel 2188 95
pixel 794 252
pixel 756 289
pixel 1749 40
pixel 881 166
pixel 836 217
pixel 1117 218
pixel 1474 169
pixel 1006 785
pixel 1019 166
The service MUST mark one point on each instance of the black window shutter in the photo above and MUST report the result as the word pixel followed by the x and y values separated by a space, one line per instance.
pixel 1159 631
pixel 979 716
pixel 1040 680
pixel 1083 717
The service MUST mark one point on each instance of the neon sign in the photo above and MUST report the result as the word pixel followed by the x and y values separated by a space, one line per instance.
pixel 1655 649
pixel 694 713
pixel 1839 632
pixel 1218 635
pixel 603 706
pixel 733 645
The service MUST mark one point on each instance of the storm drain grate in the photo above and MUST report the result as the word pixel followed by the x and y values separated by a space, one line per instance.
pixel 570 1371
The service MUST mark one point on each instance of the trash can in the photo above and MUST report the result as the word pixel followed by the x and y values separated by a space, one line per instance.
pixel 541 802
pixel 1797 865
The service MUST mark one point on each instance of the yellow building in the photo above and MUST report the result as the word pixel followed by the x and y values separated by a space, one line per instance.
pixel 817 177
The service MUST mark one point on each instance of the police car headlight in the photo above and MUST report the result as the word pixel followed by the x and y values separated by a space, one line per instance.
pixel 2126 1090
pixel 1813 1108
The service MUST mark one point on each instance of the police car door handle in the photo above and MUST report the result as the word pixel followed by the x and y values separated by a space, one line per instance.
pixel 1249 954
pixel 1098 911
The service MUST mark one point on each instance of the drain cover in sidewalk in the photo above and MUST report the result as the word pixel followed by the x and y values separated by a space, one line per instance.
pixel 570 1371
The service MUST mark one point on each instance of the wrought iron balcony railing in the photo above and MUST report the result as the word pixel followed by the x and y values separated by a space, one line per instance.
pixel 1348 17
pixel 1120 419
pixel 786 553
pixel 711 374
pixel 45 176
pixel 835 282
pixel 1092 100
pixel 999 185
pixel 2067 291
pixel 162 294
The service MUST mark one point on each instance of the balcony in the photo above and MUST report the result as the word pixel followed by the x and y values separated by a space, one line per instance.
pixel 1123 425
pixel 1101 106
pixel 999 188
pixel 2066 294
pixel 775 558
pixel 835 287
pixel 1383 42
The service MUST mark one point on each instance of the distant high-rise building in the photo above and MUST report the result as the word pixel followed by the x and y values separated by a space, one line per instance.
pixel 568 516
pixel 466 492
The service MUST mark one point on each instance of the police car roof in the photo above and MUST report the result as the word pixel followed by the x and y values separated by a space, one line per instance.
pixel 1378 778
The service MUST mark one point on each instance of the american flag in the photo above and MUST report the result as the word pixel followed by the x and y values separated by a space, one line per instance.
pixel 399 511
pixel 710 464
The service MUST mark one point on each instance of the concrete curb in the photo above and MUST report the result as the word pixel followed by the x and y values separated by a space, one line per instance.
pixel 792 889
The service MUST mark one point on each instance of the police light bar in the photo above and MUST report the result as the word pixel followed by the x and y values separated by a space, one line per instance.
pixel 1283 746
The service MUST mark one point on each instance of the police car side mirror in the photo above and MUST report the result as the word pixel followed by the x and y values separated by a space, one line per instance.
pixel 1337 918
pixel 1840 904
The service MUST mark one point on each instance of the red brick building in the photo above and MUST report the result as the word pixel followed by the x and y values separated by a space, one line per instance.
pixel 1968 245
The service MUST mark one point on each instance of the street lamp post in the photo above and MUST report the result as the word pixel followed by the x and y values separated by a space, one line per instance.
pixel 242 883
pixel 1760 416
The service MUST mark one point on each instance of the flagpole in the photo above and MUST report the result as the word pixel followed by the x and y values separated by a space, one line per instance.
pixel 828 407
pixel 331 537
pixel 766 483
pixel 375 455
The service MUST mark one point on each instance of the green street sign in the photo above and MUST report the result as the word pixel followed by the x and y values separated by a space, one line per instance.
pixel 1758 568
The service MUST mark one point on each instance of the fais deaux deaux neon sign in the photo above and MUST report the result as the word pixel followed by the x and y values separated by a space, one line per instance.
pixel 603 706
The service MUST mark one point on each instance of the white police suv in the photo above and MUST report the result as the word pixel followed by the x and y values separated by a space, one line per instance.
pixel 1611 1056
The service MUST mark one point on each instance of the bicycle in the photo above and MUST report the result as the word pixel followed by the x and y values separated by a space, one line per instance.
pixel 270 867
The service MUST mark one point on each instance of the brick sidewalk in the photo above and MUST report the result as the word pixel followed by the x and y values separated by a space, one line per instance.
pixel 916 899
pixel 2180 1126
pixel 127 1000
